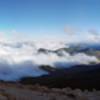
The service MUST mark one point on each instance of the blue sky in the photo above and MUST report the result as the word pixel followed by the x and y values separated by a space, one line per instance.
pixel 47 18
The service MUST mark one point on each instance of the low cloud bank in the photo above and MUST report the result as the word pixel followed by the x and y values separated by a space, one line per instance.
pixel 22 59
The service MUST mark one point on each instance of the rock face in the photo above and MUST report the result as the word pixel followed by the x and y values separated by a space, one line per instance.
pixel 10 91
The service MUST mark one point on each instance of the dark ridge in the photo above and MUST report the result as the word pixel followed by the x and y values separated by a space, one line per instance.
pixel 80 76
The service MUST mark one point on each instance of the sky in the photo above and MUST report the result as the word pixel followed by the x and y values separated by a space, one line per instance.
pixel 48 18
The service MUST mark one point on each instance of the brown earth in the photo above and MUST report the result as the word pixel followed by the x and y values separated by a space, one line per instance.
pixel 16 91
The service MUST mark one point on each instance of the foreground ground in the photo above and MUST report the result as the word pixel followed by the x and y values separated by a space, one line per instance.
pixel 9 91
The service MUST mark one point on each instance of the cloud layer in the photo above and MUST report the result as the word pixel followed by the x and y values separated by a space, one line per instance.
pixel 20 59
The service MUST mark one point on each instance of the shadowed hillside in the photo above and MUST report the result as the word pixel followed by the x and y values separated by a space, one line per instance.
pixel 81 76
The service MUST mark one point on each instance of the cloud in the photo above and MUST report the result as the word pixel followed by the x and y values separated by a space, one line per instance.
pixel 13 35
pixel 93 36
pixel 16 71
pixel 72 31
pixel 93 31
pixel 20 59
pixel 2 36
pixel 74 35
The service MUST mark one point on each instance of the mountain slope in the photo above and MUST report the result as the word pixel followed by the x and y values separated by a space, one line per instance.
pixel 81 76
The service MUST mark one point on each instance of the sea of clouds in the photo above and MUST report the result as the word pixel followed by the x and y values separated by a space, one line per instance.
pixel 20 59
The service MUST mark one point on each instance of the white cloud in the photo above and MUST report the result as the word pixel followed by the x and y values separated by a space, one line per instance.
pixel 22 59
pixel 70 30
